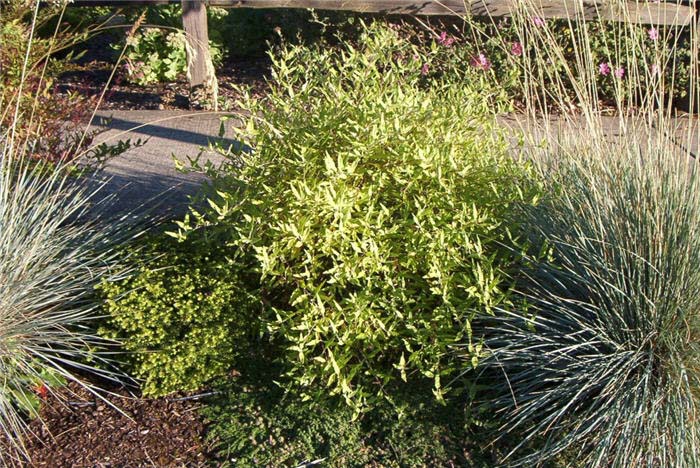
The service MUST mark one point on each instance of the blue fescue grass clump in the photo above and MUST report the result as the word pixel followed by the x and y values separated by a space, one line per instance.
pixel 56 242
pixel 53 251
pixel 603 359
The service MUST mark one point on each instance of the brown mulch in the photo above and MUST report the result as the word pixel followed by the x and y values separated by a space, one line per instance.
pixel 84 431
pixel 89 78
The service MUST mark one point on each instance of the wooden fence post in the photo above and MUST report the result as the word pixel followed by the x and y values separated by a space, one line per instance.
pixel 204 89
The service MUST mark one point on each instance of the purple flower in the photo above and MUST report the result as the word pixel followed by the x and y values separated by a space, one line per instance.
pixel 654 69
pixel 481 62
pixel 445 40
pixel 604 68
pixel 516 49
pixel 653 33
pixel 537 21
pixel 620 72
pixel 424 69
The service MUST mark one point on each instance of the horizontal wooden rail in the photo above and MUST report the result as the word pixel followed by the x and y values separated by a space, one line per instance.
pixel 630 11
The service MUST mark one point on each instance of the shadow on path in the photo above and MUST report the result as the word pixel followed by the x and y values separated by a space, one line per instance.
pixel 164 196
pixel 167 133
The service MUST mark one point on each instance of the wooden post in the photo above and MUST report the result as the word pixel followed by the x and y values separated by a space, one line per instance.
pixel 204 89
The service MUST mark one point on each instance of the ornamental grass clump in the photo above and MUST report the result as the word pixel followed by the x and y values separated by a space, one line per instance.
pixel 604 359
pixel 598 357
pixel 54 249
pixel 379 205
pixel 51 257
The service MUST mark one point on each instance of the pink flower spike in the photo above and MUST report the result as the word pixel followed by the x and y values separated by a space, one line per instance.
pixel 620 72
pixel 653 33
pixel 537 21
pixel 654 69
pixel 481 62
pixel 516 49
pixel 443 37
pixel 424 69
pixel 604 68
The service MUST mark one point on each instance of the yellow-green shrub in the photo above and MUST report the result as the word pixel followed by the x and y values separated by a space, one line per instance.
pixel 379 205
pixel 183 318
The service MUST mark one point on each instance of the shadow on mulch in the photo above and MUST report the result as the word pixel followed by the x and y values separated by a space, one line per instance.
pixel 89 79
pixel 85 431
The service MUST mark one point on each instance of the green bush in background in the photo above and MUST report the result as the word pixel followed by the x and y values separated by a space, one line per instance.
pixel 183 317
pixel 154 55
pixel 156 51
pixel 452 47
pixel 378 204
pixel 52 124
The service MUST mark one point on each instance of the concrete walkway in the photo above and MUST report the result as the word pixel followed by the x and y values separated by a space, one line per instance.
pixel 146 176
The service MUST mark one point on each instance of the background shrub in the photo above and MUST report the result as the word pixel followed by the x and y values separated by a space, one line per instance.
pixel 50 123
pixel 504 46
pixel 155 55
pixel 183 317
pixel 377 203
pixel 156 52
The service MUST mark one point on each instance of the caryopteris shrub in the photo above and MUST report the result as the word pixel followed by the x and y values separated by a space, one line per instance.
pixel 605 360
pixel 183 317
pixel 378 203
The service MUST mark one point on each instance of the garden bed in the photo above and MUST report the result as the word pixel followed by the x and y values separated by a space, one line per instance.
pixel 377 274
pixel 90 77
pixel 77 428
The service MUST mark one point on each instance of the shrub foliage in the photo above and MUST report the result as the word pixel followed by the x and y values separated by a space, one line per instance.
pixel 50 123
pixel 378 204
pixel 183 317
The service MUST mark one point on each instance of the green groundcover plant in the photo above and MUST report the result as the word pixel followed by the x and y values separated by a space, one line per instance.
pixel 254 422
pixel 378 204
pixel 183 316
